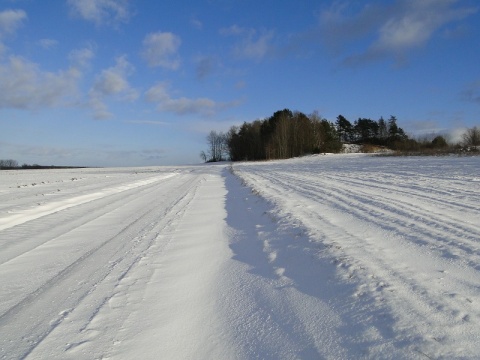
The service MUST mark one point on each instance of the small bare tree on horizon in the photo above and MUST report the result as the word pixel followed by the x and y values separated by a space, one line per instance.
pixel 471 137
pixel 217 147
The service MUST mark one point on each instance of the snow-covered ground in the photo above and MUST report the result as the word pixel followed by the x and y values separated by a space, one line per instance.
pixel 336 257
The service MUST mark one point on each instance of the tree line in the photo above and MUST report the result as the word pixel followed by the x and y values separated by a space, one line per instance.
pixel 283 135
pixel 288 134
pixel 10 164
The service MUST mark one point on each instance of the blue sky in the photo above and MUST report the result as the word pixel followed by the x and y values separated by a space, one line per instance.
pixel 135 83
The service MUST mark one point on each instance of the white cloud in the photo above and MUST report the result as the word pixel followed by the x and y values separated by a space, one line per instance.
pixel 100 109
pixel 111 82
pixel 203 106
pixel 81 57
pixel 101 11
pixel 11 20
pixel 396 28
pixel 417 23
pixel 252 45
pixel 255 47
pixel 24 86
pixel 161 49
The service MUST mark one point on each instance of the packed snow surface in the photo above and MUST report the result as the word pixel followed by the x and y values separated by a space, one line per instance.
pixel 323 257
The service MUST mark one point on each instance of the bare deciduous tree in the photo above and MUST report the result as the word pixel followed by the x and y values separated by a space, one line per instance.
pixel 217 146
pixel 471 137
pixel 8 164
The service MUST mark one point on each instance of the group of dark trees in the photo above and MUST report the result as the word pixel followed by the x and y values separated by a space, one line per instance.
pixel 284 135
pixel 288 134
pixel 368 131
pixel 8 164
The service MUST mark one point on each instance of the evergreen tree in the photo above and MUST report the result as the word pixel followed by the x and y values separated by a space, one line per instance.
pixel 382 129
pixel 344 129
pixel 366 130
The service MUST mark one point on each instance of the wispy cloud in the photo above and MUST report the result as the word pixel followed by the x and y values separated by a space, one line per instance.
pixel 82 156
pixel 42 154
pixel 388 30
pixel 47 151
pixel 111 82
pixel 197 24
pixel 161 49
pixel 10 21
pixel 252 44
pixel 143 156
pixel 153 154
pixel 101 11
pixel 234 30
pixel 471 92
pixel 240 84
pixel 48 43
pixel 147 122
pixel 205 65
pixel 81 57
pixel 159 94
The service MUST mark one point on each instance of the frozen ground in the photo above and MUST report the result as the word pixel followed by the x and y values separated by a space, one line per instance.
pixel 334 257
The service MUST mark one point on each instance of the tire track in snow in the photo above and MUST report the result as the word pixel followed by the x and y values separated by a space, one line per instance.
pixel 27 236
pixel 435 196
pixel 50 208
pixel 369 234
pixel 44 187
pixel 94 324
pixel 423 225
pixel 40 311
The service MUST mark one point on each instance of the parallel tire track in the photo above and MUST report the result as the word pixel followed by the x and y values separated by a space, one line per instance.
pixel 39 312
pixel 367 232
pixel 390 214
pixel 25 237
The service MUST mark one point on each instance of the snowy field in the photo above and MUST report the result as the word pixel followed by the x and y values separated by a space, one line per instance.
pixel 324 257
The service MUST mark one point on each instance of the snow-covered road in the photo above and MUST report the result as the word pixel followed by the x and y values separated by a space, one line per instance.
pixel 118 263
pixel 322 257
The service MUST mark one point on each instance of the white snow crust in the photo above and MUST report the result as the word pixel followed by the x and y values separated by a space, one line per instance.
pixel 324 257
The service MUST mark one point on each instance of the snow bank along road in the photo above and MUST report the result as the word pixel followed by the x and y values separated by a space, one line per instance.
pixel 334 257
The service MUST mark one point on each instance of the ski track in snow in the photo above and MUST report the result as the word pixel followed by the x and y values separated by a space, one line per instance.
pixel 334 257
